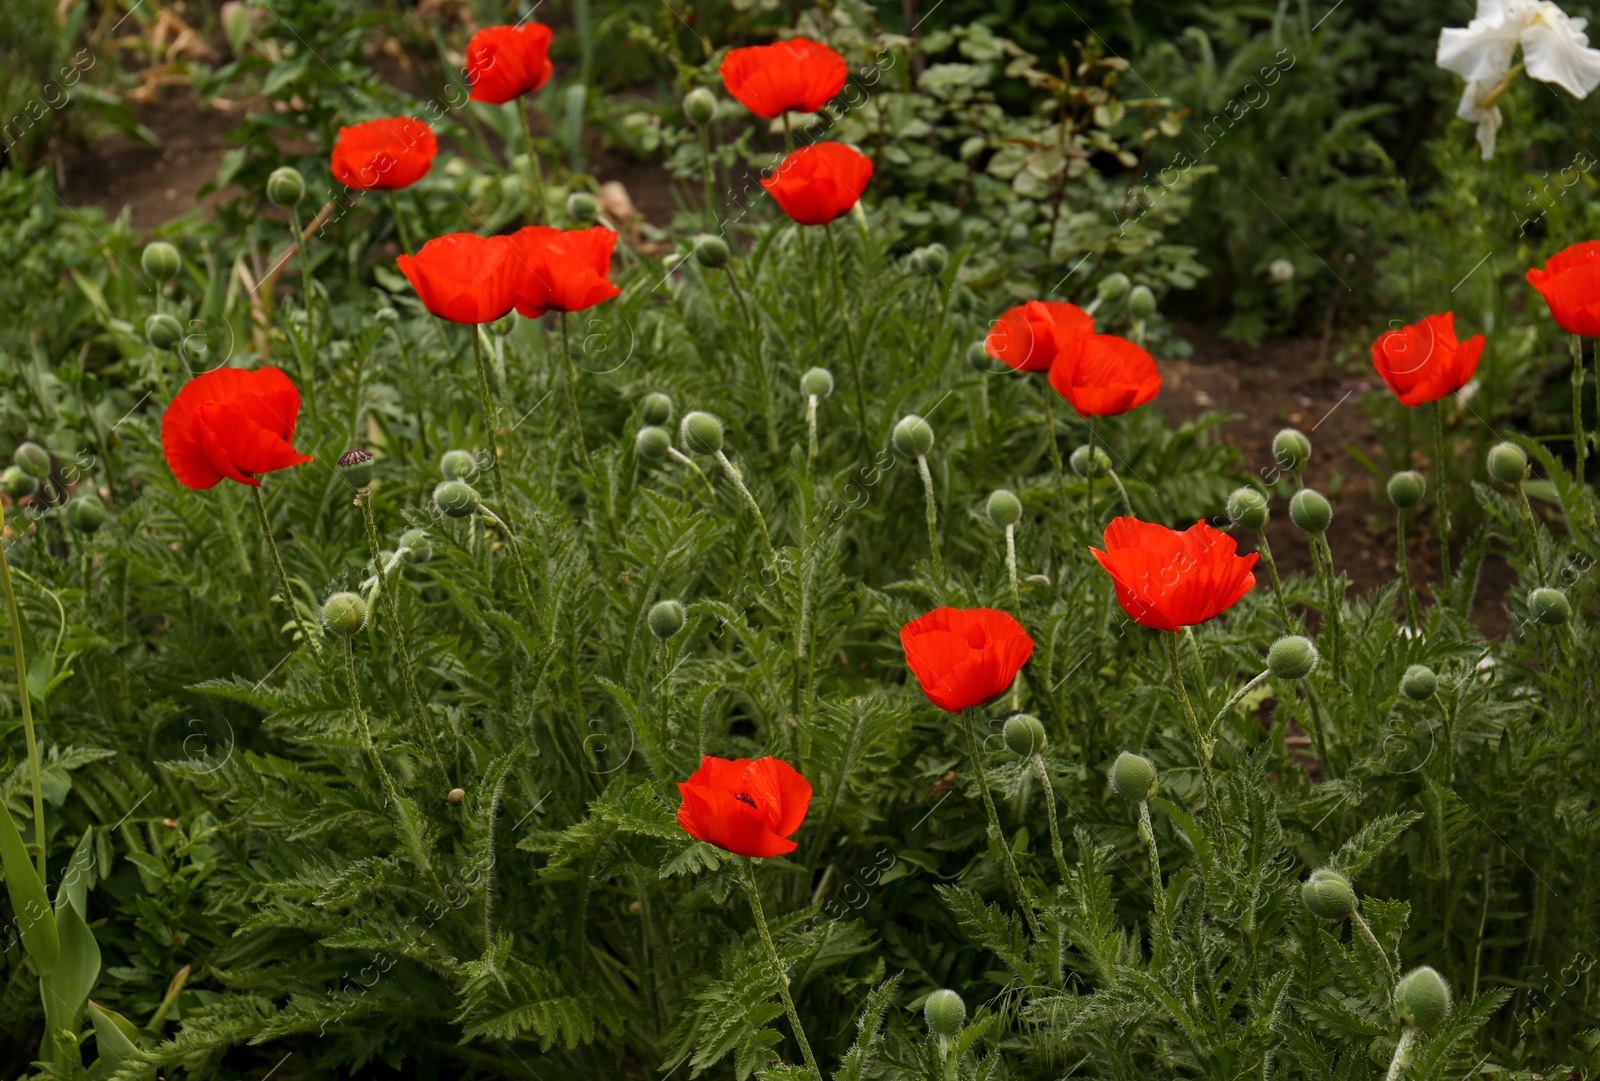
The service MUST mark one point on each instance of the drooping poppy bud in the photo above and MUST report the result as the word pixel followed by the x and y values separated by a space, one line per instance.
pixel 1422 999
pixel 1328 895
pixel 32 459
pixel 701 433
pixel 700 106
pixel 1024 735
pixel 1292 657
pixel 160 260
pixel 1141 302
pixel 931 260
pixel 711 251
pixel 455 498
pixel 652 442
pixel 964 657
pixel 747 807
pixel 583 208
pixel 416 546
pixel 1508 464
pixel 86 513
pixel 16 483
pixel 1113 286
pixel 387 154
pixel 913 436
pixel 1086 463
pixel 796 75
pixel 163 330
pixel 1549 606
pixel 1247 507
pixel 506 62
pixel 1291 450
pixel 816 383
pixel 945 1014
pixel 655 408
pixel 1419 683
pixel 457 464
pixel 455 796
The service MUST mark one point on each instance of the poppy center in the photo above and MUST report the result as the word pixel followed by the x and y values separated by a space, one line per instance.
pixel 744 797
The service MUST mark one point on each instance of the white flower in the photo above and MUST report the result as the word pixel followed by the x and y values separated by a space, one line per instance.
pixel 1483 50
pixel 1556 50
pixel 1474 111
pixel 1281 270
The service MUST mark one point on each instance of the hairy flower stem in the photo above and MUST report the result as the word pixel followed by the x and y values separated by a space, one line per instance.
pixel 400 225
pixel 491 417
pixel 1402 1054
pixel 1202 745
pixel 1011 568
pixel 533 163
pixel 849 331
pixel 1238 696
pixel 1441 504
pixel 1580 447
pixel 25 699
pixel 1147 834
pixel 1365 931
pixel 1094 439
pixel 682 458
pixel 995 834
pixel 1050 813
pixel 407 673
pixel 755 508
pixel 758 361
pixel 1122 492
pixel 1533 532
pixel 708 170
pixel 931 507
pixel 1449 739
pixel 277 566
pixel 1050 439
pixel 811 433
pixel 1277 585
pixel 516 555
pixel 308 355
pixel 1335 610
pixel 570 374
pixel 778 974
pixel 1413 616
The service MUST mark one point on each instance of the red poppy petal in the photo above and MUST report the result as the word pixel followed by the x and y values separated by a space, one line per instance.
pixel 719 818
pixel 782 792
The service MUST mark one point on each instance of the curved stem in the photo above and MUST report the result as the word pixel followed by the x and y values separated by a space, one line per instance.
pixel 849 331
pixel 1127 504
pixel 932 511
pixel 750 501
pixel 570 373
pixel 1533 532
pixel 995 833
pixel 308 355
pixel 26 698
pixel 277 565
pixel 1365 931
pixel 1094 435
pixel 779 975
pixel 1335 608
pixel 1050 809
pixel 1147 834
pixel 678 456
pixel 1402 1055
pixel 1238 696
pixel 707 169
pixel 1277 585
pixel 758 360
pixel 1202 745
pixel 516 555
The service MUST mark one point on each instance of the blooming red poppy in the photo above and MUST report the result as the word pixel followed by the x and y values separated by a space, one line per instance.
pixel 1166 579
pixel 231 423
pixel 819 183
pixel 1103 375
pixel 1424 362
pixel 505 62
pixel 1570 284
pixel 465 278
pixel 964 656
pixel 1029 336
pixel 748 807
pixel 797 75
pixel 563 270
pixel 383 155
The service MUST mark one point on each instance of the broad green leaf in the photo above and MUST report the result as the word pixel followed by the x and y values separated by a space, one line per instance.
pixel 29 902
pixel 78 969
pixel 74 884
pixel 114 1035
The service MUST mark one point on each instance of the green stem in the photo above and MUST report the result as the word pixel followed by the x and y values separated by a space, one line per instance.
pixel 1122 492
pixel 570 374
pixel 516 556
pixel 1238 696
pixel 533 163
pixel 1533 532
pixel 932 510
pixel 277 566
pixel 755 508
pixel 407 673
pixel 678 456
pixel 1335 608
pixel 1277 585
pixel 400 224
pixel 26 698
pixel 1202 746
pixel 1413 616
pixel 849 331
pixel 1365 931
pixel 758 360
pixel 1094 435
pixel 706 170
pixel 1050 809
pixel 811 433
pixel 1402 1055
pixel 1147 834
pixel 995 833
pixel 1011 569
pixel 491 416
pixel 1055 449
pixel 308 355
pixel 1441 503
pixel 779 975
pixel 1449 739
pixel 1580 447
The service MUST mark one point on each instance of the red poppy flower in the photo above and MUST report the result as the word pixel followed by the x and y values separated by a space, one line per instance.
pixel 231 423
pixel 1424 362
pixel 465 278
pixel 797 75
pixel 383 155
pixel 820 183
pixel 964 656
pixel 1166 580
pixel 563 270
pixel 1570 284
pixel 1103 375
pixel 505 62
pixel 1029 336
pixel 748 807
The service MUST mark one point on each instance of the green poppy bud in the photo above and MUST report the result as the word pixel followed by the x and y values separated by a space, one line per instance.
pixel 1406 489
pixel 1310 510
pixel 945 1013
pixel 416 545
pixel 931 260
pixel 16 483
pixel 656 408
pixel 1024 735
pixel 1004 508
pixel 583 208
pixel 1248 507
pixel 652 442
pixel 666 619
pixel 162 330
pixel 701 433
pixel 913 436
pixel 344 614
pixel 387 316
pixel 1133 777
pixel 1549 606
pixel 700 106
pixel 86 513
pixel 1113 287
pixel 455 796
pixel 455 498
pixel 1507 463
pixel 1291 449
pixel 160 260
pixel 1422 998
pixel 816 383
pixel 1141 302
pixel 979 359
pixel 1419 683
pixel 33 459
pixel 1328 895
pixel 504 325
pixel 285 187
pixel 456 464
pixel 355 466
pixel 1080 461
pixel 1292 657
pixel 711 251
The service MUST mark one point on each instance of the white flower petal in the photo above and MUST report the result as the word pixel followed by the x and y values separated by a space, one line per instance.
pixel 1482 50
pixel 1556 50
pixel 1488 119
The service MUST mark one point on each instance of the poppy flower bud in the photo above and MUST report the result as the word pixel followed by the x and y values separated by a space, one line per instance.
pixel 456 498
pixel 1114 287
pixel 1133 777
pixel 504 325
pixel 816 383
pixel 1310 510
pixel 1422 998
pixel 701 433
pixel 1507 463
pixel 160 260
pixel 1406 488
pixel 1419 683
pixel 978 357
pixel 1549 606
pixel 387 316
pixel 455 464
pixel 456 795
pixel 652 442
pixel 1004 508
pixel 583 208
pixel 699 106
pixel 666 619
pixel 656 408
pixel 1328 895
pixel 162 330
pixel 931 260
pixel 16 483
pixel 355 466
pixel 1247 507
pixel 344 614
pixel 86 513
pixel 33 459
pixel 1292 657
pixel 1080 461
pixel 913 435
pixel 945 1013
pixel 711 251
pixel 418 548
pixel 285 187
pixel 1291 449
pixel 1024 735
pixel 1141 302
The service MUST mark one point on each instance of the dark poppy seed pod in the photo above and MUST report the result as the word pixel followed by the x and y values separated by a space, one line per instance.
pixel 583 208
pixel 33 459
pixel 1113 286
pixel 160 260
pixel 16 483
pixel 456 464
pixel 1549 606
pixel 652 442
pixel 666 619
pixel 1422 998
pixel 418 548
pixel 1080 461
pixel 1419 683
pixel 1024 735
pixel 1310 510
pixel 931 260
pixel 1004 508
pixel 816 383
pixel 344 614
pixel 355 466
pixel 456 795
pixel 1133 777
pixel 655 408
pixel 86 513
pixel 1141 302
pixel 1328 895
pixel 456 498
pixel 701 433
pixel 1248 507
pixel 945 1013
pixel 1291 449
pixel 1292 657
pixel 699 106
pixel 711 251
pixel 163 330
pixel 285 187
pixel 913 435
pixel 1507 463
pixel 1406 489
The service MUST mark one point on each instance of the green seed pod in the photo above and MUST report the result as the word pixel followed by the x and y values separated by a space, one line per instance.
pixel 86 513
pixel 913 436
pixel 1310 510
pixel 652 442
pixel 1141 302
pixel 701 433
pixel 163 330
pixel 666 619
pixel 711 251
pixel 418 548
pixel 1114 287
pixel 344 614
pixel 583 208
pixel 1422 999
pixel 160 260
pixel 1507 463
pixel 1024 735
pixel 285 187
pixel 1419 683
pixel 16 483
pixel 816 383
pixel 1549 606
pixel 455 796
pixel 1133 777
pixel 1292 657
pixel 33 459
pixel 945 1013
pixel 1004 508
pixel 655 408
pixel 456 464
pixel 355 466
pixel 1291 449
pixel 1406 489
pixel 700 106
pixel 1248 507
pixel 931 260
pixel 1080 461
pixel 455 498
pixel 1328 895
